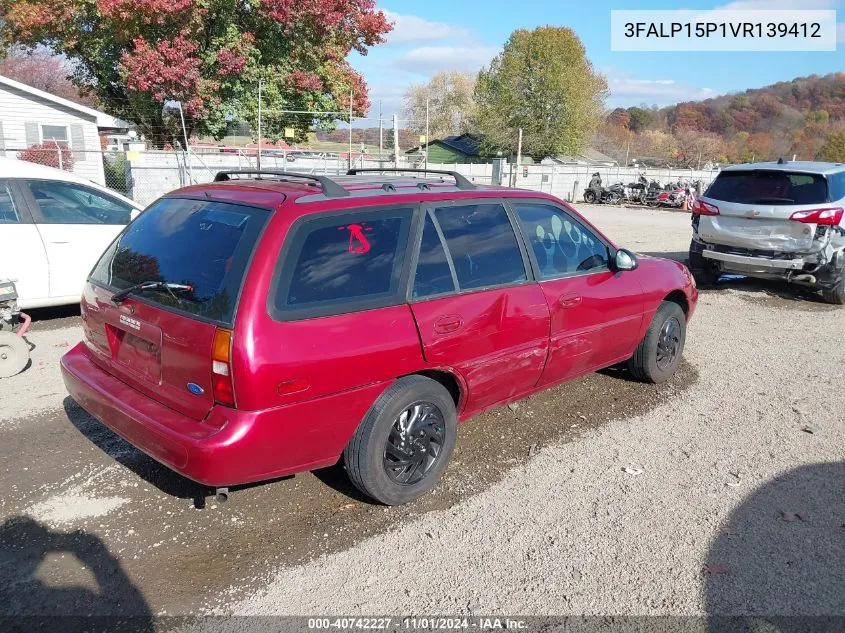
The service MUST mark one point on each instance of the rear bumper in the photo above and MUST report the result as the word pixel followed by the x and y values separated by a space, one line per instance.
pixel 772 265
pixel 229 446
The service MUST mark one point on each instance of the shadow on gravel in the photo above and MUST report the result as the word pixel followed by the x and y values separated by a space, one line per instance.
pixel 85 579
pixel 781 555
pixel 166 480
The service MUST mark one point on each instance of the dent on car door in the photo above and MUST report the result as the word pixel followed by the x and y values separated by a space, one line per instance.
pixel 596 313
pixel 22 257
pixel 476 309
pixel 76 223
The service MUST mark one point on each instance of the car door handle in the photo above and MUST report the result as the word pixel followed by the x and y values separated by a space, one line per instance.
pixel 569 299
pixel 448 323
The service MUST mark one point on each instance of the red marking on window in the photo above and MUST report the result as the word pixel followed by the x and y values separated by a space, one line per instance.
pixel 358 244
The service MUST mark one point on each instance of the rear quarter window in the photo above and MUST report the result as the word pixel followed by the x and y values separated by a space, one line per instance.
pixel 775 187
pixel 836 184
pixel 340 263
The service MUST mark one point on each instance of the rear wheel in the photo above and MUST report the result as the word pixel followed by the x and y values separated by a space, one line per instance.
pixel 589 196
pixel 659 353
pixel 403 444
pixel 14 354
pixel 835 295
pixel 706 273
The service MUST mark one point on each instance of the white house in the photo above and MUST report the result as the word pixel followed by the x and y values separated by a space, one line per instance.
pixel 29 116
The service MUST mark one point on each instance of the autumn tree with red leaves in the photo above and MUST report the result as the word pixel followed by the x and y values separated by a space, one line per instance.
pixel 137 56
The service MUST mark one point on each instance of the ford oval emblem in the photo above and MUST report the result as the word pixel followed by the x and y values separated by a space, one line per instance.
pixel 195 389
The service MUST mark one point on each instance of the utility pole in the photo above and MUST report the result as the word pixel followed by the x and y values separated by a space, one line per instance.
pixel 395 141
pixel 260 86
pixel 350 129
pixel 518 157
pixel 426 133
pixel 187 149
pixel 380 133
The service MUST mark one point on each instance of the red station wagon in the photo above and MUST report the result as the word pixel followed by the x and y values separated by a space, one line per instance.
pixel 269 322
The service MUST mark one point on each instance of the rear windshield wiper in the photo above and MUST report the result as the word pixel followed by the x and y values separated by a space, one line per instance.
pixel 119 296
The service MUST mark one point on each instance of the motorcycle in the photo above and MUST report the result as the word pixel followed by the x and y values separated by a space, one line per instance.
pixel 14 350
pixel 606 195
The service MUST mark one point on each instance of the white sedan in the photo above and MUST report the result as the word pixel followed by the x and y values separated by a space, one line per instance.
pixel 54 226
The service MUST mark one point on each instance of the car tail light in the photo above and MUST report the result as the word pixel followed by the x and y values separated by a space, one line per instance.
pixel 704 208
pixel 829 217
pixel 221 368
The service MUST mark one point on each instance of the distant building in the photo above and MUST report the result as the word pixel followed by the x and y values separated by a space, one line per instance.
pixel 29 116
pixel 589 157
pixel 464 148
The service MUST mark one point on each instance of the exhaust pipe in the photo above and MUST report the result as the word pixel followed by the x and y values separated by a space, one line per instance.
pixel 803 279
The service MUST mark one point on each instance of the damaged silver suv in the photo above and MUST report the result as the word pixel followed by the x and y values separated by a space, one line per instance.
pixel 780 220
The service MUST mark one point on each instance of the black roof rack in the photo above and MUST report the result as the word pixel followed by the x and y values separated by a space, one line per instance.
pixel 460 180
pixel 330 188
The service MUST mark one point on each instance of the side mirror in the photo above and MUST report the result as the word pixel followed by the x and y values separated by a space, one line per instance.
pixel 625 260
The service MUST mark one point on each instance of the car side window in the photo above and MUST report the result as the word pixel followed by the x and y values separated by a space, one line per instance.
pixel 561 245
pixel 482 244
pixel 337 264
pixel 69 203
pixel 8 211
pixel 433 276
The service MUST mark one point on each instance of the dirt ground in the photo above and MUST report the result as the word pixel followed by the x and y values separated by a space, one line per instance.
pixel 602 495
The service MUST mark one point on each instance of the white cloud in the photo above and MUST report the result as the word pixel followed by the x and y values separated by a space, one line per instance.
pixel 427 60
pixel 411 29
pixel 629 91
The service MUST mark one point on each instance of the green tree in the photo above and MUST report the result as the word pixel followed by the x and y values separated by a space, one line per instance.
pixel 136 56
pixel 543 83
pixel 640 119
pixel 833 149
pixel 451 108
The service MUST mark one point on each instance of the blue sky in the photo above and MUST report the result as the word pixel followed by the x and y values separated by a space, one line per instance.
pixel 465 34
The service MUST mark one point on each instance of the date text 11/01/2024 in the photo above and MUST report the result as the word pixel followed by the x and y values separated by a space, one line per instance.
pixel 420 623
pixel 723 29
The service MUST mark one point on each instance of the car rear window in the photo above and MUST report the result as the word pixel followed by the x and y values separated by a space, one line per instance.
pixel 342 263
pixel 773 187
pixel 204 244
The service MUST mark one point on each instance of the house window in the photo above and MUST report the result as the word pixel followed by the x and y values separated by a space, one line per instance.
pixel 54 134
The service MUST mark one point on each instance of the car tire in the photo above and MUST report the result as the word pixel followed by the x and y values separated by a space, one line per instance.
pixel 374 456
pixel 836 294
pixel 589 197
pixel 659 353
pixel 706 273
pixel 14 354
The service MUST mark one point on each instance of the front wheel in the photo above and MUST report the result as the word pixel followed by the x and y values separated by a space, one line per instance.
pixel 658 355
pixel 589 196
pixel 402 446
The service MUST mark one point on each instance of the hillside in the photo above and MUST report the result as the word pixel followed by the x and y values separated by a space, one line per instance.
pixel 803 117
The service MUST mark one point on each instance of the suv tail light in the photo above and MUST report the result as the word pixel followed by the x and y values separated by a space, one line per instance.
pixel 221 368
pixel 828 217
pixel 704 208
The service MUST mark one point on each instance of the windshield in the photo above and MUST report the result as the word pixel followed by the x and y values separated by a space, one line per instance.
pixel 768 187
pixel 202 244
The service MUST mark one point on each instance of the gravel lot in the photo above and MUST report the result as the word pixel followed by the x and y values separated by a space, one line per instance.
pixel 738 507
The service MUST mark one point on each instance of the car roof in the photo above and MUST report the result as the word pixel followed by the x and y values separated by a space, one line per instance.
pixel 13 168
pixel 303 188
pixel 810 167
